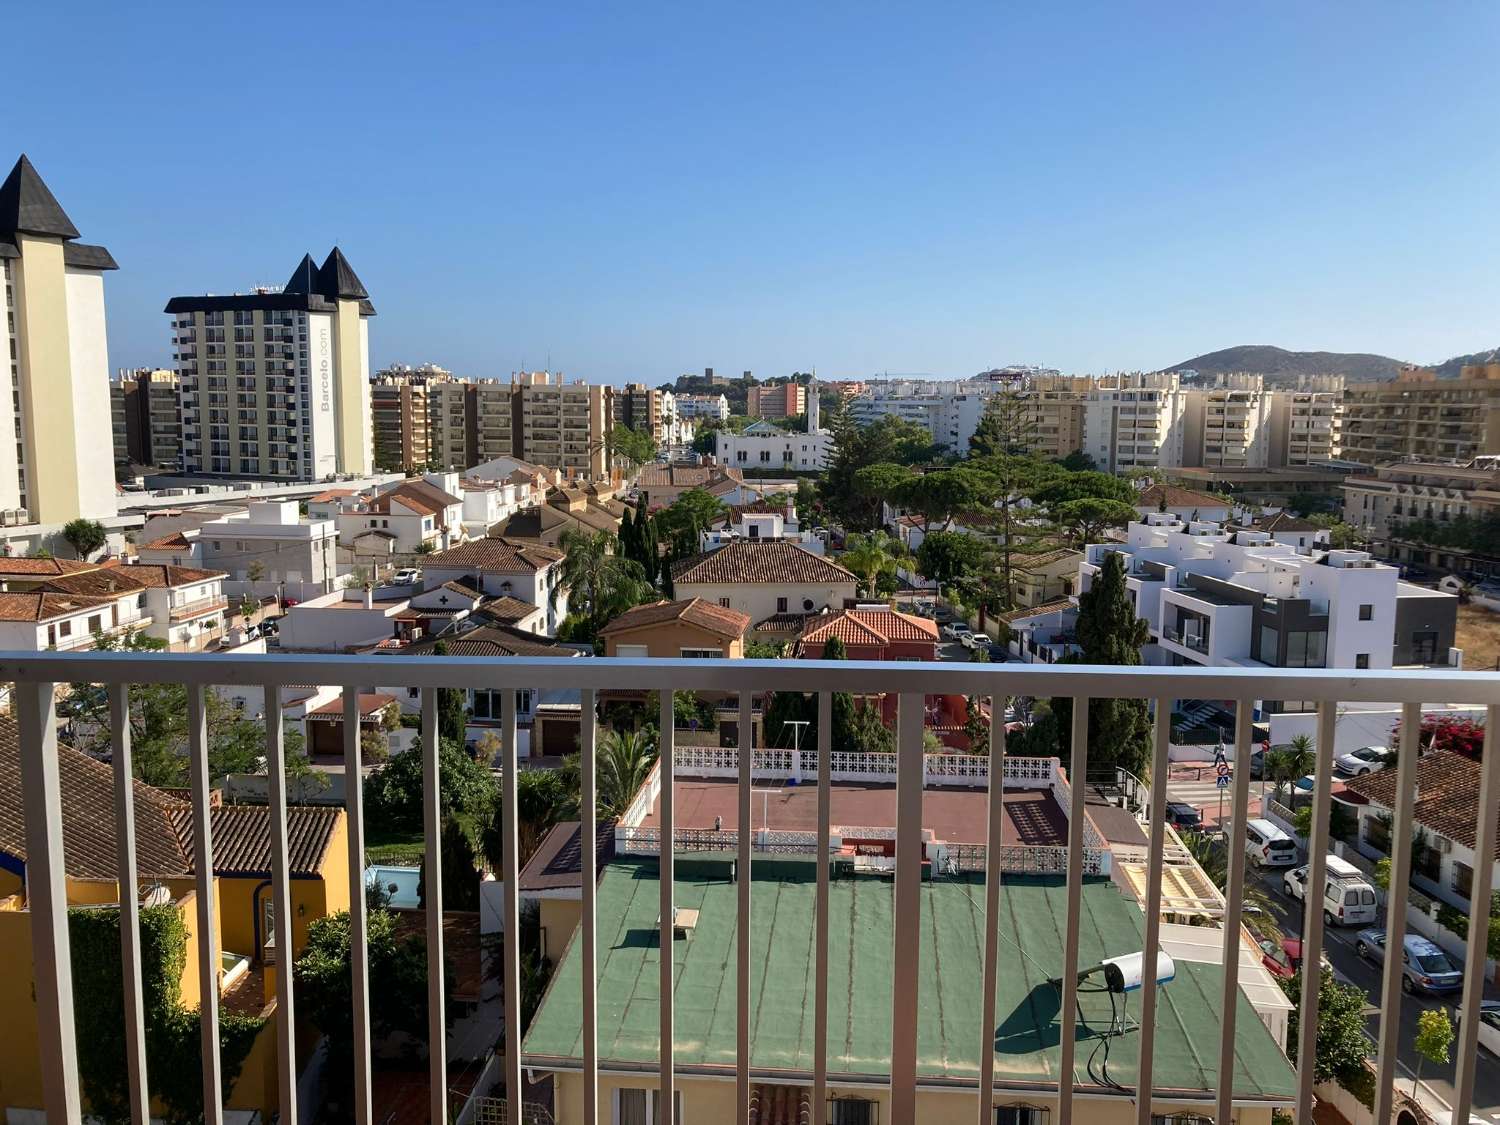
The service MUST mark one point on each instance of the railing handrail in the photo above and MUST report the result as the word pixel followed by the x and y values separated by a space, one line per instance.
pixel 862 676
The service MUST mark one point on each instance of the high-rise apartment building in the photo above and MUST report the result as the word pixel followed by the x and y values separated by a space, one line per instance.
pixel 783 400
pixel 702 406
pixel 398 415
pixel 535 417
pixel 1054 405
pixel 56 434
pixel 276 385
pixel 1135 420
pixel 147 418
pixel 1306 421
pixel 1419 417
pixel 1227 425
pixel 641 408
pixel 949 411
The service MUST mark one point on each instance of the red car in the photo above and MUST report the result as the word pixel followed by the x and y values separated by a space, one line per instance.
pixel 1285 959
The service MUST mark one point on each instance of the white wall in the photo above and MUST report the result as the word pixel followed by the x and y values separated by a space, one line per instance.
pixel 321 429
pixel 759 599
pixel 88 351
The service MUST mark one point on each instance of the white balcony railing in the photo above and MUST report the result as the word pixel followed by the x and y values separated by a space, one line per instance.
pixel 37 678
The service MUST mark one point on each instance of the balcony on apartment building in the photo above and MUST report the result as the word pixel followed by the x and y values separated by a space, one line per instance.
pixel 866 880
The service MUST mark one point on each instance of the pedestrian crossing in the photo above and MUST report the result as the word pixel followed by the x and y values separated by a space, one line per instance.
pixel 1197 788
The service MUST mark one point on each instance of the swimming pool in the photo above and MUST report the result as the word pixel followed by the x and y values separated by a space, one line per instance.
pixel 400 884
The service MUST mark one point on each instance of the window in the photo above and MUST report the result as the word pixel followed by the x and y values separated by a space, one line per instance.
pixel 65 629
pixel 724 602
pixel 631 1107
pixel 1462 879
pixel 632 650
pixel 1367 612
pixel 780 605
pixel 702 653
pixel 1362 660
pixel 1020 1115
pixel 1378 832
pixel 853 1111
pixel 488 703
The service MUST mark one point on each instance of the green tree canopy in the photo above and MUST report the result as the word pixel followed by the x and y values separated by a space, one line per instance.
pixel 393 793
pixel 1085 519
pixel 941 494
pixel 84 536
pixel 1083 486
pixel 687 517
pixel 1007 427
pixel 601 584
pixel 1342 1046
pixel 948 556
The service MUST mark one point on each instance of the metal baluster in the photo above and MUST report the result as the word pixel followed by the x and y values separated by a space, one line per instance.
pixel 1312 925
pixel 820 933
pixel 1067 1012
pixel 432 827
pixel 281 894
pixel 130 903
pixel 359 960
pixel 1160 758
pixel 1395 916
pixel 47 901
pixel 666 764
pixel 588 867
pixel 994 844
pixel 1479 917
pixel 907 916
pixel 742 933
pixel 510 847
pixel 208 958
pixel 1229 1004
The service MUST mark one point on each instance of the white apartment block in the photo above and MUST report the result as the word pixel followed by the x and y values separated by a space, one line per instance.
pixel 276 385
pixel 1228 426
pixel 764 446
pixel 1222 597
pixel 702 406
pixel 949 411
pixel 56 428
pixel 1306 421
pixel 1135 421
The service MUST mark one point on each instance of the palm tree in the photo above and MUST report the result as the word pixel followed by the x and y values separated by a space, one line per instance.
pixel 871 557
pixel 601 584
pixel 1211 855
pixel 1291 762
pixel 624 762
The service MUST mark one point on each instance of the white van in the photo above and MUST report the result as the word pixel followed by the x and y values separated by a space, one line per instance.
pixel 1348 897
pixel 1267 845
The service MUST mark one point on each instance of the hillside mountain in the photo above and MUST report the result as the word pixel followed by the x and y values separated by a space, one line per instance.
pixel 1449 368
pixel 1264 359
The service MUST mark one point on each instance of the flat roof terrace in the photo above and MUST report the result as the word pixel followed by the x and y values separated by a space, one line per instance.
pixel 956 815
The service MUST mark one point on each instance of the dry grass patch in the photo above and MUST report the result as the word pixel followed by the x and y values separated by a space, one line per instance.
pixel 1479 637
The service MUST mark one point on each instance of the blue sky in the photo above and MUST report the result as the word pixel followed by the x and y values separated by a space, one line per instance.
pixel 641 190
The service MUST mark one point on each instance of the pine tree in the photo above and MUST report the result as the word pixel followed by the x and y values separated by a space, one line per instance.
pixel 844 735
pixel 1109 632
pixel 1007 427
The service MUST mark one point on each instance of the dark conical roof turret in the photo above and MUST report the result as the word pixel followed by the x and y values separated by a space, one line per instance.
pixel 28 207
pixel 304 278
pixel 337 279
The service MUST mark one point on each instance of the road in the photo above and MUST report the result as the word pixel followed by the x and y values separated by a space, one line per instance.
pixel 1365 975
pixel 1349 966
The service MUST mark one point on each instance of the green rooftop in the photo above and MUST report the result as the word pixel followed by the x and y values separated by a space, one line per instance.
pixel 859 1027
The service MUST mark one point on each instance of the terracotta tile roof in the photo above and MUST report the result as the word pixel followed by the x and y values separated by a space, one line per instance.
pixel 106 582
pixel 44 567
pixel 868 626
pixel 38 605
pixel 558 862
pixel 508 609
pixel 161 575
pixel 742 561
pixel 494 556
pixel 1177 497
pixel 531 523
pixel 176 541
pixel 1035 611
pixel 417 495
pixel 1045 558
pixel 686 476
pixel 241 837
pixel 1447 794
pixel 715 619
pixel 88 788
pixel 330 494
pixel 1284 521
pixel 369 704
pixel 790 623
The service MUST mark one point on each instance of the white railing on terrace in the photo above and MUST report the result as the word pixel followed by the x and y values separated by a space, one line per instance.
pixel 968 770
pixel 38 676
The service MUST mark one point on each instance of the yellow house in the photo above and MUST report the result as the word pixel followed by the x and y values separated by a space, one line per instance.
pixel 1045 577
pixel 691 627
pixel 165 860
pixel 553 879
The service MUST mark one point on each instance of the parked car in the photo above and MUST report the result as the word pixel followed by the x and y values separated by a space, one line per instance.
pixel 1285 959
pixel 1348 897
pixel 406 576
pixel 1489 1025
pixel 972 640
pixel 998 653
pixel 1266 845
pixel 1424 967
pixel 954 628
pixel 1182 815
pixel 1367 759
